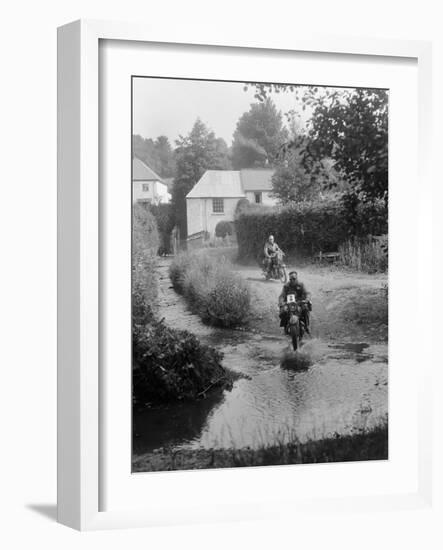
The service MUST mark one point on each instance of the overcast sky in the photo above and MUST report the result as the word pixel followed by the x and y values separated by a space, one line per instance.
pixel 170 106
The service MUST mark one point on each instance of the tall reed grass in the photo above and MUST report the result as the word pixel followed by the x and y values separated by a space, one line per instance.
pixel 217 294
pixel 368 255
pixel 364 445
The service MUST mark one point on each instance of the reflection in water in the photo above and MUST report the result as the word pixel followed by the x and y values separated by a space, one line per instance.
pixel 158 427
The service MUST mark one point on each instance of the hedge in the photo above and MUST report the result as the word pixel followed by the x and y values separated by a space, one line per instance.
pixel 145 242
pixel 171 365
pixel 304 228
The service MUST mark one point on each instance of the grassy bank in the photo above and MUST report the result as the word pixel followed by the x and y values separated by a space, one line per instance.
pixel 369 445
pixel 213 291
pixel 168 365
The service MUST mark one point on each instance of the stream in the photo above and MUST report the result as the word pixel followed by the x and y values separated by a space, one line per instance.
pixel 344 389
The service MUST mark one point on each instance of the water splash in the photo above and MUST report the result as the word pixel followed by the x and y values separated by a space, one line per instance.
pixel 296 360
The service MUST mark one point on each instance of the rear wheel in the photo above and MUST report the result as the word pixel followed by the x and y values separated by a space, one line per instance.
pixel 294 336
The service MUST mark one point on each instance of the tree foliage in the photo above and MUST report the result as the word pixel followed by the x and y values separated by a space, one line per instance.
pixel 349 126
pixel 291 182
pixel 197 152
pixel 258 136
pixel 157 154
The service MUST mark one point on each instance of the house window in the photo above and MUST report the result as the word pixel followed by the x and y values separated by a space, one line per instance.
pixel 257 198
pixel 145 187
pixel 218 206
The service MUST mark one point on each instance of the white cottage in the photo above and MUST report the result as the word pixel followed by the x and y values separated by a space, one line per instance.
pixel 257 185
pixel 147 186
pixel 215 196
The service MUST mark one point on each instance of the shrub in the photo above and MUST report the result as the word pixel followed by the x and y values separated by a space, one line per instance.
pixel 170 365
pixel 223 228
pixel 369 255
pixel 213 291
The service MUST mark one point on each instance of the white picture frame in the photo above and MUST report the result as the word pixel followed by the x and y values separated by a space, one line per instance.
pixel 79 362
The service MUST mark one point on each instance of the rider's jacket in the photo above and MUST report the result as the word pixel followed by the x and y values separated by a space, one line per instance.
pixel 270 249
pixel 298 289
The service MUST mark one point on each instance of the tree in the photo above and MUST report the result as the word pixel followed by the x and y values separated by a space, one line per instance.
pixel 351 128
pixel 199 151
pixel 157 154
pixel 165 156
pixel 291 182
pixel 258 136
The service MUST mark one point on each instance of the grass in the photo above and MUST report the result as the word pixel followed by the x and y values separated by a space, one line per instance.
pixel 213 291
pixel 367 309
pixel 364 445
pixel 368 255
pixel 145 241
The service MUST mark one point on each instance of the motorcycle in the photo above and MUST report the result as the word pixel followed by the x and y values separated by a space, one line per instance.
pixel 298 319
pixel 277 269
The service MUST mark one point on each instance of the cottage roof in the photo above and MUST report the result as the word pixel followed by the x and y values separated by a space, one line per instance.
pixel 217 183
pixel 142 172
pixel 257 179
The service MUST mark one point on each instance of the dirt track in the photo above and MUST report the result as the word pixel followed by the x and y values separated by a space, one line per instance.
pixel 346 306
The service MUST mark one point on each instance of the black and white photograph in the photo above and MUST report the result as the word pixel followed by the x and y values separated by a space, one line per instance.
pixel 259 273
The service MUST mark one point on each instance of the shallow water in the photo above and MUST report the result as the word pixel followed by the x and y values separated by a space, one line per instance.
pixel 344 389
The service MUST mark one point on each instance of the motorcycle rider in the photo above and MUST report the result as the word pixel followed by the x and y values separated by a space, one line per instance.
pixel 270 251
pixel 294 286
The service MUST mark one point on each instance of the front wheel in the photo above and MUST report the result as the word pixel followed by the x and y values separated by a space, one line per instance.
pixel 294 336
pixel 282 274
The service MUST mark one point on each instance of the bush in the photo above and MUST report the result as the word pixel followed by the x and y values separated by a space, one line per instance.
pixel 369 255
pixel 305 228
pixel 213 291
pixel 170 365
pixel 223 228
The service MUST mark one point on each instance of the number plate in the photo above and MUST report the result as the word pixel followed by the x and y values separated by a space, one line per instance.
pixel 290 298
